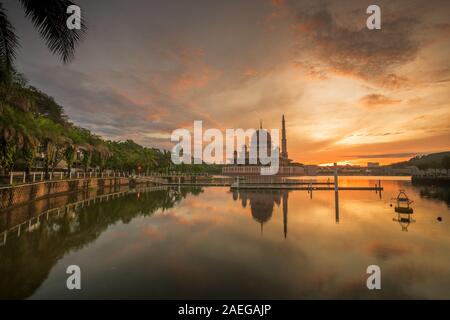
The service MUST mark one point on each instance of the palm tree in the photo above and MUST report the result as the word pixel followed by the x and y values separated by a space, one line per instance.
pixel 165 160
pixel 7 137
pixel 149 159
pixel 30 144
pixel 49 18
pixel 52 138
pixel 103 154
pixel 73 145
pixel 86 160
pixel 17 132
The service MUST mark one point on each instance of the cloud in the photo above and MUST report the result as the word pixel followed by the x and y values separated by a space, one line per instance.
pixel 250 72
pixel 111 111
pixel 196 79
pixel 189 69
pixel 377 100
pixel 277 2
pixel 328 45
pixel 384 155
pixel 314 61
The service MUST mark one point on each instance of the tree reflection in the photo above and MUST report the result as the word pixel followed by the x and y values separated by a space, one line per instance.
pixel 25 262
pixel 436 193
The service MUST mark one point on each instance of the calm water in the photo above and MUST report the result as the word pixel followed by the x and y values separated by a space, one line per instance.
pixel 213 243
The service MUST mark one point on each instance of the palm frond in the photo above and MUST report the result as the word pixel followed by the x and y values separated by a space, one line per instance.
pixel 8 43
pixel 49 17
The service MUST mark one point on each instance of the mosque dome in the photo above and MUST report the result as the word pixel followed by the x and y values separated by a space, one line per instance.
pixel 261 140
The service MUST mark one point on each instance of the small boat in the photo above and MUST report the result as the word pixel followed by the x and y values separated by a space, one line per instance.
pixel 403 203
pixel 403 209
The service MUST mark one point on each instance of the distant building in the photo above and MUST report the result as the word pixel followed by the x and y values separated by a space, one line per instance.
pixel 371 165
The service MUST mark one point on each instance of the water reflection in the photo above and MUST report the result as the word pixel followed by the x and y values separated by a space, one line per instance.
pixel 436 193
pixel 262 203
pixel 203 243
pixel 336 205
pixel 28 259
pixel 404 219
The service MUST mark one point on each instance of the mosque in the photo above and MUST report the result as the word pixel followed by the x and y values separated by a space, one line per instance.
pixel 286 166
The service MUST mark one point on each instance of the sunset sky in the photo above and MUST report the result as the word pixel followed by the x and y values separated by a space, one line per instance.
pixel 349 94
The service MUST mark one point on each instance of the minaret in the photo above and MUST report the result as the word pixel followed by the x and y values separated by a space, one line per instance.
pixel 284 153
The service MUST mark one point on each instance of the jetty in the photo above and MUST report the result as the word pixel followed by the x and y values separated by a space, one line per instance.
pixel 287 184
pixel 294 187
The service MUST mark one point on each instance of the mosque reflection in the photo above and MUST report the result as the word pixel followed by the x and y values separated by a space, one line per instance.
pixel 262 203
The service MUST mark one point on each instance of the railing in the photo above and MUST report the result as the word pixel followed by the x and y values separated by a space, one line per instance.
pixel 151 179
pixel 16 178
pixel 20 178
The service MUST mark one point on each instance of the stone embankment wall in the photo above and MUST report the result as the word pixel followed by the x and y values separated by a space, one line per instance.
pixel 17 195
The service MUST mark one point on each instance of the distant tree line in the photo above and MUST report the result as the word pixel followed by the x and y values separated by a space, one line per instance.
pixel 433 161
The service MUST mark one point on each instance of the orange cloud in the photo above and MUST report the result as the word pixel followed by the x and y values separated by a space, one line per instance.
pixel 377 100
pixel 250 72
pixel 192 80
pixel 277 2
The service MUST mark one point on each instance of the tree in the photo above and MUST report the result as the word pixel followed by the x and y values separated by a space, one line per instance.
pixel 76 141
pixel 87 158
pixel 148 159
pixel 446 163
pixel 423 166
pixel 17 133
pixel 53 140
pixel 102 154
pixel 49 18
pixel 46 106
pixel 30 132
pixel 165 160
pixel 436 165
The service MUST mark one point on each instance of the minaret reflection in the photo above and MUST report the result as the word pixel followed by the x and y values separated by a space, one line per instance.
pixel 336 192
pixel 262 204
pixel 336 204
pixel 285 212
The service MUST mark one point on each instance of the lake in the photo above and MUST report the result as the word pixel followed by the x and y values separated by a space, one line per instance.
pixel 210 242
